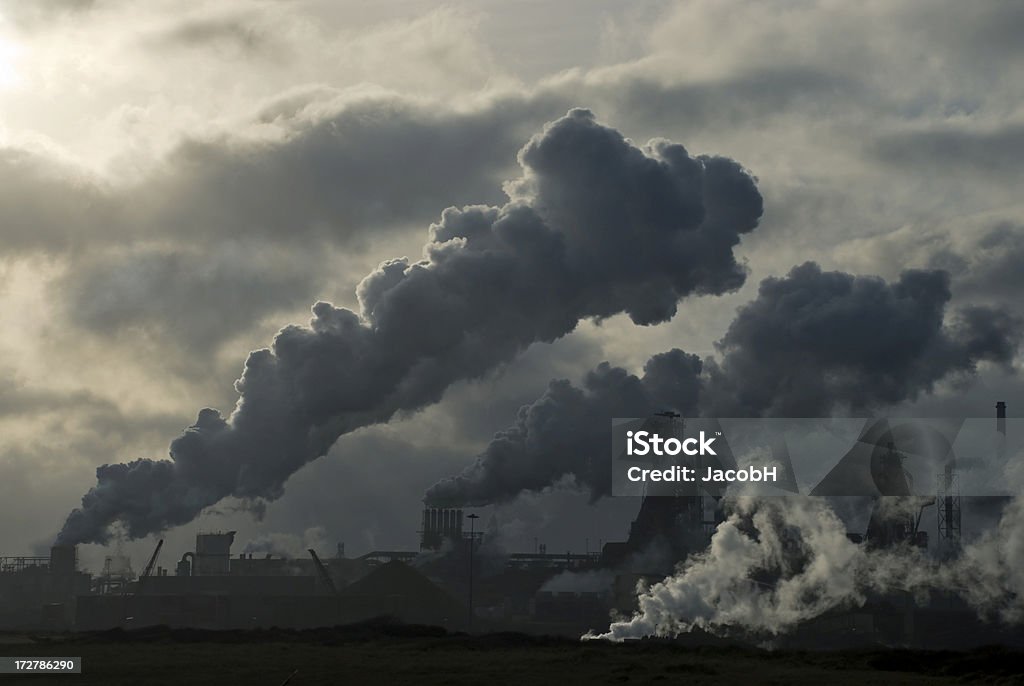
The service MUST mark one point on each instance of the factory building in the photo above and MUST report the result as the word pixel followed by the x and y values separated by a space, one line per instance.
pixel 452 582
pixel 213 553
pixel 40 592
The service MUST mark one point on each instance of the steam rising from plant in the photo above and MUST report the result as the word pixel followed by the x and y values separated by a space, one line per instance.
pixel 801 542
pixel 595 226
pixel 777 562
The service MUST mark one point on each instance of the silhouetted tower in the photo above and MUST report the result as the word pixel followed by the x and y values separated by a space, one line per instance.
pixel 949 508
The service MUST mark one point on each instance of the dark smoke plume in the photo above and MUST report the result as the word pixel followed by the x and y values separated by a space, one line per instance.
pixel 810 344
pixel 595 226
pixel 565 432
pixel 814 342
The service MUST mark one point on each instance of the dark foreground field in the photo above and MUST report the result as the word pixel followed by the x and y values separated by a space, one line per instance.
pixel 390 654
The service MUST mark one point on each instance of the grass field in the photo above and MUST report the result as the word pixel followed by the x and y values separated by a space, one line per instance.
pixel 387 654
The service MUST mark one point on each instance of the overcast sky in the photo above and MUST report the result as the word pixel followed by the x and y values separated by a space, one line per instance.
pixel 179 180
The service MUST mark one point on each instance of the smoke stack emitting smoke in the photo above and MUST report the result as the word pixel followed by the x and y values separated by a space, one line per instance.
pixel 595 226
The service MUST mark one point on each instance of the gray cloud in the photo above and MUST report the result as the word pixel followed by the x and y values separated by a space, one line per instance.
pixel 746 98
pixel 978 34
pixel 31 15
pixel 188 297
pixel 378 162
pixel 594 227
pixel 233 34
pixel 46 203
pixel 991 266
pixel 983 254
pixel 957 150
pixel 85 408
pixel 16 400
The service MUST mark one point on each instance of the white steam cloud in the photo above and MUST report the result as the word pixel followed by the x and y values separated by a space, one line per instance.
pixel 777 562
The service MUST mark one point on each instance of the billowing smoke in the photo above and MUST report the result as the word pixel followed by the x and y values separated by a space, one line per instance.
pixel 798 548
pixel 814 342
pixel 595 226
pixel 811 342
pixel 990 572
pixel 566 432
pixel 777 562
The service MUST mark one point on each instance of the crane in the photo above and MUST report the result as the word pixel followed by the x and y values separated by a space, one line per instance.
pixel 127 603
pixel 148 571
pixel 325 577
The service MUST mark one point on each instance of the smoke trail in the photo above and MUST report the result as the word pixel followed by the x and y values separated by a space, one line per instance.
pixel 565 432
pixel 595 226
pixel 810 343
